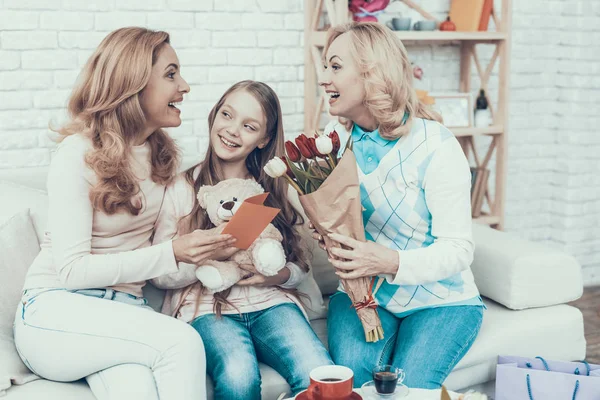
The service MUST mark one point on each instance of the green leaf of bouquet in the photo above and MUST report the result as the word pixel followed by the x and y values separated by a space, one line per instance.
pixel 326 170
pixel 315 182
pixel 307 187
pixel 317 171
pixel 301 175
pixel 298 173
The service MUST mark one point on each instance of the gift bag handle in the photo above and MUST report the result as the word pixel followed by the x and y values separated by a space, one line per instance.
pixel 576 372
pixel 543 362
pixel 531 396
pixel 548 369
pixel 587 366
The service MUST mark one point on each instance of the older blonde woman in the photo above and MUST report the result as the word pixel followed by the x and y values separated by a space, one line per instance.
pixel 415 186
pixel 83 313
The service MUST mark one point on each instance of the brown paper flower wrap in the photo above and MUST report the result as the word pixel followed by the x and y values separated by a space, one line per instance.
pixel 329 193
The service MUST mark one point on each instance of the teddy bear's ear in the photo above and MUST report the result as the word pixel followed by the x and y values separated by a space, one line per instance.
pixel 202 194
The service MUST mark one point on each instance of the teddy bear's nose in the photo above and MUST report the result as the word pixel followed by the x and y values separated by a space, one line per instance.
pixel 228 205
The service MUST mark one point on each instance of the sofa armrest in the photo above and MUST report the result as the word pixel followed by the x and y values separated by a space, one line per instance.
pixel 522 274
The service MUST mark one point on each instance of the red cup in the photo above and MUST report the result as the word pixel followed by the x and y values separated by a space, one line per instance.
pixel 330 382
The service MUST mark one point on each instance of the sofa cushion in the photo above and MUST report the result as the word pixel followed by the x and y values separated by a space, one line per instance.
pixel 32 177
pixel 521 274
pixel 12 369
pixel 313 303
pixel 16 197
pixel 18 247
pixel 49 390
pixel 554 332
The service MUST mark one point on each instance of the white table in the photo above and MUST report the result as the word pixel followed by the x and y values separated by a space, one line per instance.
pixel 425 394
pixel 420 394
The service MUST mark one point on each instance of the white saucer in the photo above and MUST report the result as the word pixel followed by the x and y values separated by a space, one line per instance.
pixel 369 392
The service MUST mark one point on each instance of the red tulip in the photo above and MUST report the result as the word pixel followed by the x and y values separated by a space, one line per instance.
pixel 303 145
pixel 335 139
pixel 292 152
pixel 313 147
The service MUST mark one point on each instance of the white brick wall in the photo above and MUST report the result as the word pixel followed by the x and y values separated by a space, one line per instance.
pixel 553 192
pixel 553 186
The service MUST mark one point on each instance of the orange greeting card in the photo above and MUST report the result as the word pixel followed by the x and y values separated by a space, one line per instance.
pixel 250 220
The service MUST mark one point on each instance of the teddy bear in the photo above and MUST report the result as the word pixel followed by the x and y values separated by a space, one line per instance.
pixel 266 253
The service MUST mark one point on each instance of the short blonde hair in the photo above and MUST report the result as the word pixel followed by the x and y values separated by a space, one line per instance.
pixel 387 74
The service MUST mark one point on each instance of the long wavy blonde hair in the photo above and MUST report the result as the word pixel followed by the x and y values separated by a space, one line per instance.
pixel 387 75
pixel 211 174
pixel 105 106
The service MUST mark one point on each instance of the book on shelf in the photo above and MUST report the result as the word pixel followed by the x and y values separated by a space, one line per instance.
pixel 471 15
pixel 466 14
pixel 486 13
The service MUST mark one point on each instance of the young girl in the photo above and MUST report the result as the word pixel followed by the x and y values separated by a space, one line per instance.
pixel 415 184
pixel 82 309
pixel 256 320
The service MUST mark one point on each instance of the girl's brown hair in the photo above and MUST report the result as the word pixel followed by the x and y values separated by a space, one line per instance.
pixel 210 174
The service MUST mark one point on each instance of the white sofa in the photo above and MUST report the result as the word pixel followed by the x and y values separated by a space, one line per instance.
pixel 512 274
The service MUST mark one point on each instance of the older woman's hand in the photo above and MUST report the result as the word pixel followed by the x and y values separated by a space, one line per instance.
pixel 362 259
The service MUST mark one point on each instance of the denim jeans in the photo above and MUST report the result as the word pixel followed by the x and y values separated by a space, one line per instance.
pixel 279 336
pixel 121 346
pixel 426 344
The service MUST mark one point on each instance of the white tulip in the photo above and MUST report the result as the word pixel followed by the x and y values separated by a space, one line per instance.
pixel 324 144
pixel 275 168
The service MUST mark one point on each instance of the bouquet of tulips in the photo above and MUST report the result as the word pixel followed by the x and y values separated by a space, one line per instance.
pixel 329 192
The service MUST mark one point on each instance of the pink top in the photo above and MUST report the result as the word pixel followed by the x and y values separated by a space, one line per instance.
pixel 85 248
pixel 181 300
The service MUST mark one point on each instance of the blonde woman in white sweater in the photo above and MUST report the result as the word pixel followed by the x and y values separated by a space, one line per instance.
pixel 83 313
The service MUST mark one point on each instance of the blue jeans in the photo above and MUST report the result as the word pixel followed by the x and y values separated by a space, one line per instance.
pixel 426 344
pixel 279 336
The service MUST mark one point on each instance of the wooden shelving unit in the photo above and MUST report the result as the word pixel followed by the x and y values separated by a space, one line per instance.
pixel 318 37
pixel 315 101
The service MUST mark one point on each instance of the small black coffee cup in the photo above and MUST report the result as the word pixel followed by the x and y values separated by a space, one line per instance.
pixel 386 377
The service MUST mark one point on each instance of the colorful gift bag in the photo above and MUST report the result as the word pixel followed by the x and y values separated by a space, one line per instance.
pixel 538 379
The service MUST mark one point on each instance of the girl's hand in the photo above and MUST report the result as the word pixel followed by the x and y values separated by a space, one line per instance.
pixel 197 247
pixel 257 279
pixel 317 236
pixel 362 259
pixel 225 252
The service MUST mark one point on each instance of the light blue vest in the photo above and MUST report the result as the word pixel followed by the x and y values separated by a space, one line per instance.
pixel 395 212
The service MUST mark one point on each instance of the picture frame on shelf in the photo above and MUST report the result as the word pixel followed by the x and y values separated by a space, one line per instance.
pixel 456 108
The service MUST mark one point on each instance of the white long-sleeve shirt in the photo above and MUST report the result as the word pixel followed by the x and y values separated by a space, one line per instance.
pixel 446 185
pixel 86 248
